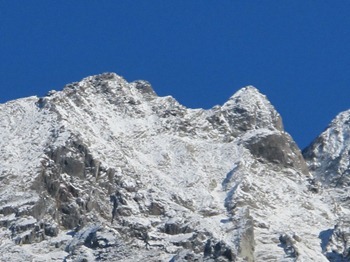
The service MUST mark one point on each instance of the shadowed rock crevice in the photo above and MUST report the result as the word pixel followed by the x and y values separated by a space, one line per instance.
pixel 336 242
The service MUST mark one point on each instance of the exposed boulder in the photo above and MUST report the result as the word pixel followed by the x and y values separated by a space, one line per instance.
pixel 277 148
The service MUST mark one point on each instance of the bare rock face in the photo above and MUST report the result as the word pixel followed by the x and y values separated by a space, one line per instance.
pixel 107 170
pixel 277 148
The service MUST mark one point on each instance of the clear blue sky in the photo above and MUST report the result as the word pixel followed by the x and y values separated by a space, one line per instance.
pixel 200 52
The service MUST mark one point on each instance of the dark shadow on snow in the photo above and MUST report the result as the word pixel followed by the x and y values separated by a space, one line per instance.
pixel 325 235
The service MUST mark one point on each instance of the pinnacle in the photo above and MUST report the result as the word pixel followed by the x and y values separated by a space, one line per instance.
pixel 250 88
pixel 249 103
pixel 248 96
pixel 250 93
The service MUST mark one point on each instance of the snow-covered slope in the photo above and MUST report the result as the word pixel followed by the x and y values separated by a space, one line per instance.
pixel 107 170
pixel 328 159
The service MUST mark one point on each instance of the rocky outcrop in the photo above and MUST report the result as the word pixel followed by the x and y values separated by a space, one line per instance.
pixel 336 241
pixel 328 155
pixel 277 148
pixel 107 170
pixel 328 160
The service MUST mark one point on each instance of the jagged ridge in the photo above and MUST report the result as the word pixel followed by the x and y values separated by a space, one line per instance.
pixel 108 170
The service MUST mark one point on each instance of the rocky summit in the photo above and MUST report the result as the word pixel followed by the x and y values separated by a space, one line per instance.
pixel 106 170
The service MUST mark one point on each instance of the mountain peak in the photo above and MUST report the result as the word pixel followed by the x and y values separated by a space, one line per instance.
pixel 249 88
pixel 248 91
pixel 250 96
pixel 107 169
pixel 252 110
pixel 328 155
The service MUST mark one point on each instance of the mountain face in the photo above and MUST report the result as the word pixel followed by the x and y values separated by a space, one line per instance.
pixel 106 170
pixel 328 159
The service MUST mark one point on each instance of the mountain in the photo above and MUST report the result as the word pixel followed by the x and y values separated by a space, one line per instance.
pixel 106 170
pixel 328 159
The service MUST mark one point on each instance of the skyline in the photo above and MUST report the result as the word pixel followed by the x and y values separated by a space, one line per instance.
pixel 295 53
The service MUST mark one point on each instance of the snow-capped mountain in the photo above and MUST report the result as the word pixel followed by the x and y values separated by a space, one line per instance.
pixel 328 160
pixel 106 170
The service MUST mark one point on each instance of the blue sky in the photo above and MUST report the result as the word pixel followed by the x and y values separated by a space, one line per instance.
pixel 200 52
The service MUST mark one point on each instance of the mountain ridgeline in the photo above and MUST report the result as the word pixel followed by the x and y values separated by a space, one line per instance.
pixel 106 170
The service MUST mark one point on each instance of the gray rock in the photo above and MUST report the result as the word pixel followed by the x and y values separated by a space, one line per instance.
pixel 107 170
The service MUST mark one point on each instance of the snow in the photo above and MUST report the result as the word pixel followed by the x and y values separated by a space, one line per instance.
pixel 170 163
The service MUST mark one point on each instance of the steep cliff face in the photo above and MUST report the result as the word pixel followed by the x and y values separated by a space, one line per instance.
pixel 108 170
pixel 328 155
pixel 328 160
